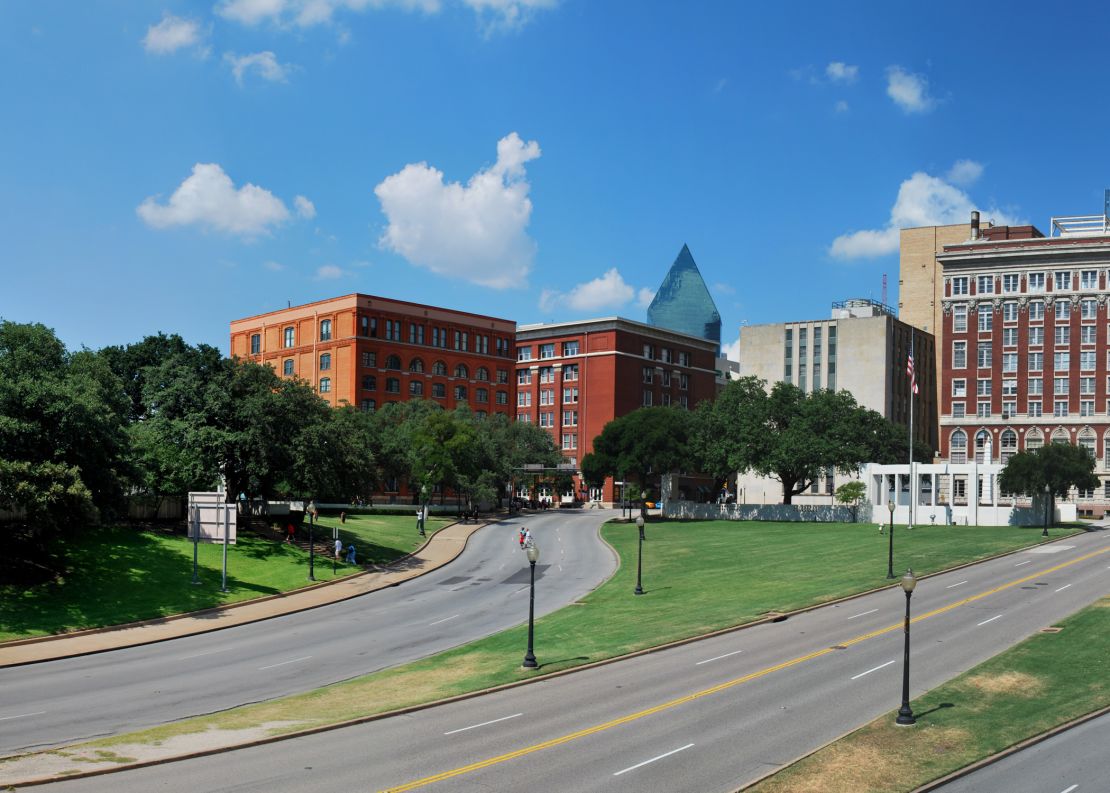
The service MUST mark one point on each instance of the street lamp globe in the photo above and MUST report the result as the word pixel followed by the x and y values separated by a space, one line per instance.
pixel 890 506
pixel 909 581
pixel 640 524
pixel 533 552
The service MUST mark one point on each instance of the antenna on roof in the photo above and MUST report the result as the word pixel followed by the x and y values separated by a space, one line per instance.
pixel 289 301
pixel 884 289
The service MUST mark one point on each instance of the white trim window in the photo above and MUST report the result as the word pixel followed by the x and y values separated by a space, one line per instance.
pixel 1087 385
pixel 985 357
pixel 984 285
pixel 958 410
pixel 1087 360
pixel 1036 386
pixel 983 410
pixel 959 355
pixel 1061 361
pixel 1036 310
pixel 1035 283
pixel 1088 334
pixel 983 388
pixel 1036 361
pixel 1036 336
pixel 959 318
pixel 1010 312
pixel 1088 279
pixel 1063 311
pixel 1060 409
pixel 1009 410
pixel 1035 409
pixel 1060 386
pixel 959 285
pixel 1009 337
pixel 986 320
pixel 1010 282
pixel 1009 387
pixel 1009 362
pixel 1061 280
pixel 1088 309
pixel 1062 335
pixel 959 387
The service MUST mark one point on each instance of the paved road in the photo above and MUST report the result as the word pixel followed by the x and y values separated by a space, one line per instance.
pixel 708 716
pixel 481 592
pixel 1071 762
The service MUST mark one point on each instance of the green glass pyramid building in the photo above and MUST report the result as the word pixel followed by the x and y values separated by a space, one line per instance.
pixel 683 302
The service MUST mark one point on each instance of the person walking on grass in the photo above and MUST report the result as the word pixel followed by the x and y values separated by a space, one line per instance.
pixel 351 554
pixel 338 547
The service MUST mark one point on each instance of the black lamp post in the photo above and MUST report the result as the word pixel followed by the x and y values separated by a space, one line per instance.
pixel 311 541
pixel 1047 507
pixel 905 714
pixel 643 504
pixel 423 509
pixel 533 557
pixel 640 556
pixel 890 550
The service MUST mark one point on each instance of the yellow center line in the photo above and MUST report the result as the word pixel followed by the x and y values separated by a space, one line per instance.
pixel 722 686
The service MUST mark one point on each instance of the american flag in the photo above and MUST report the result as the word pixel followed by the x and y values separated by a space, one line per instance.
pixel 909 371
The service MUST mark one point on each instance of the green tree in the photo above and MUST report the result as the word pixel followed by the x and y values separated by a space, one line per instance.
pixel 1061 466
pixel 790 435
pixel 644 444
pixel 852 493
pixel 61 431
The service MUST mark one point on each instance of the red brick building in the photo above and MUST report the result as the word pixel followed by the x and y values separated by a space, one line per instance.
pixel 1024 344
pixel 366 351
pixel 572 378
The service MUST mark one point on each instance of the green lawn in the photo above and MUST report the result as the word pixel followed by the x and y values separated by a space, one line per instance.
pixel 118 575
pixel 1047 680
pixel 698 577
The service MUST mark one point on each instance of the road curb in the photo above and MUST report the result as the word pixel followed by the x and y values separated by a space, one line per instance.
pixel 230 606
pixel 772 617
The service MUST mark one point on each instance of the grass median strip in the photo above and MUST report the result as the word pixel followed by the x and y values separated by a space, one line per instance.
pixel 699 577
pixel 115 575
pixel 1047 680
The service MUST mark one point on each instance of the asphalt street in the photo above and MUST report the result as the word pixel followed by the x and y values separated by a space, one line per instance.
pixel 707 716
pixel 480 593
pixel 1074 761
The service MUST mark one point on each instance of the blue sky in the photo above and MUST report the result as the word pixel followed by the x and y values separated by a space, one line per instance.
pixel 174 166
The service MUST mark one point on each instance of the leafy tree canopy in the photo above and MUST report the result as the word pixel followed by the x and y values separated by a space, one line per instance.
pixel 1059 465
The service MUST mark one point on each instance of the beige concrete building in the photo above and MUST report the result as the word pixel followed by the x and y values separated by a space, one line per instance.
pixel 921 282
pixel 863 349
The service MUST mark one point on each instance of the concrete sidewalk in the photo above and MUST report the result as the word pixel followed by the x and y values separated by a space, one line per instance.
pixel 442 547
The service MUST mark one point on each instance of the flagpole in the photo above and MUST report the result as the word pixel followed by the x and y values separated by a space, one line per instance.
pixel 913 485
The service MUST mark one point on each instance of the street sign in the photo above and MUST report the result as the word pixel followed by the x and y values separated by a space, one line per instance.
pixel 211 519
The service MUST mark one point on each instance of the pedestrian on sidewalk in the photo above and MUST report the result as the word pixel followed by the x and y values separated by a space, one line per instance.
pixel 523 531
pixel 527 540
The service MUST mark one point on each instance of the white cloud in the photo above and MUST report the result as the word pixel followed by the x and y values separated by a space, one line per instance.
pixel 264 64
pixel 171 34
pixel 608 291
pixel 507 14
pixel 923 200
pixel 964 172
pixel 908 90
pixel 273 266
pixel 839 72
pixel 305 208
pixel 208 198
pixel 329 272
pixel 494 14
pixel 723 288
pixel 476 231
pixel 841 106
pixel 731 351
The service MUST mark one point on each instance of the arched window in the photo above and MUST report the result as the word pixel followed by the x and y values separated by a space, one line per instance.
pixel 1033 439
pixel 325 385
pixel 416 365
pixel 462 371
pixel 1060 435
pixel 1007 445
pixel 325 362
pixel 983 447
pixel 393 362
pixel 1087 441
pixel 290 336
pixel 957 447
pixel 325 330
pixel 416 388
pixel 482 374
pixel 439 367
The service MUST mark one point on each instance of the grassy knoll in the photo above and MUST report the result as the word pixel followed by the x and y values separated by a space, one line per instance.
pixel 118 575
pixel 698 577
pixel 1048 679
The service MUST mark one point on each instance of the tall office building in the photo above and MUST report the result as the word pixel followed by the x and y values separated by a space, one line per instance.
pixel 1025 350
pixel 683 302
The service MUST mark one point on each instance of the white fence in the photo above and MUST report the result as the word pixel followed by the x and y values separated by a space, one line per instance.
pixel 794 513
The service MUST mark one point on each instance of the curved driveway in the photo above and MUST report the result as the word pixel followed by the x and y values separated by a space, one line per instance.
pixel 483 591
pixel 711 715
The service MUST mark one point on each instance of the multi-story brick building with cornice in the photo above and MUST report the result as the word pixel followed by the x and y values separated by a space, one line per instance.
pixel 1024 345
pixel 366 351
pixel 572 378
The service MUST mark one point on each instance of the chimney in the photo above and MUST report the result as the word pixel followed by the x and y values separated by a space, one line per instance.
pixel 974 224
